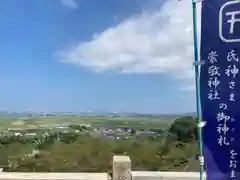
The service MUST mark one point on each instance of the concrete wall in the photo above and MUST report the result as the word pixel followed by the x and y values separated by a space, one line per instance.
pixel 121 171
pixel 53 176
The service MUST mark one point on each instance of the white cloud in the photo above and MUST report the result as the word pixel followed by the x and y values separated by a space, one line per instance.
pixel 70 3
pixel 154 42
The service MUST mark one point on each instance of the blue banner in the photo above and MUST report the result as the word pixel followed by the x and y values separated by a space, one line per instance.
pixel 220 88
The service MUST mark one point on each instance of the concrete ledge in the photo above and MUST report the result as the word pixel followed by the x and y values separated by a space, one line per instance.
pixel 121 168
pixel 157 175
pixel 54 176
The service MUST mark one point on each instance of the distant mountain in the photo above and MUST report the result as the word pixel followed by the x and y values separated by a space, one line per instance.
pixel 5 113
pixel 190 114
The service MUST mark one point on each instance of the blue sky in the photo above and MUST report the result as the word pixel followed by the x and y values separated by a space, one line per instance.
pixel 108 55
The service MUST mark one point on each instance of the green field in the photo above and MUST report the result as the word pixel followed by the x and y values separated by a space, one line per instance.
pixel 90 150
pixel 138 122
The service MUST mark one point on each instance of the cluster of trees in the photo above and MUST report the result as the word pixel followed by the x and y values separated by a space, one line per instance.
pixel 71 152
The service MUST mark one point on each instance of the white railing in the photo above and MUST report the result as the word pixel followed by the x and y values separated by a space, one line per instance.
pixel 121 171
pixel 53 176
